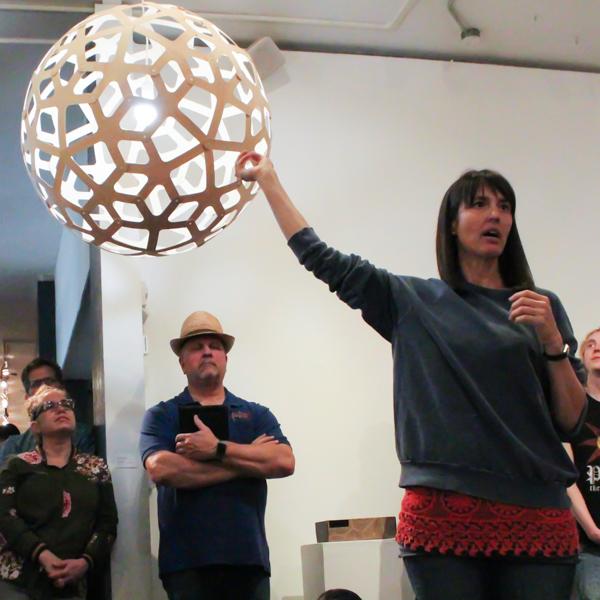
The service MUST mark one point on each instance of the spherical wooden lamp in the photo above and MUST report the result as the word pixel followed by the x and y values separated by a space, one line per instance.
pixel 132 124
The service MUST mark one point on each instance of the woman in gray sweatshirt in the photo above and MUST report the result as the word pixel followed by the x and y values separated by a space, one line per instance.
pixel 485 356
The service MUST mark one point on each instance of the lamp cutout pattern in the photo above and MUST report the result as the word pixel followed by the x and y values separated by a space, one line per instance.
pixel 132 124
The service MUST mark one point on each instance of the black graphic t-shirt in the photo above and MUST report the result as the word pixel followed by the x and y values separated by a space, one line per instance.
pixel 586 450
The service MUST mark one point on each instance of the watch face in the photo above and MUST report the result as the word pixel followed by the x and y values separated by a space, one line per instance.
pixel 562 354
pixel 565 351
pixel 221 449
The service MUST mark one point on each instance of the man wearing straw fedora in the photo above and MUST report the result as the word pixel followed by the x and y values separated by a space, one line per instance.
pixel 212 492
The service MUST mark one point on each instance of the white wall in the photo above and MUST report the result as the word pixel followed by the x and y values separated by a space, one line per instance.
pixel 118 379
pixel 367 146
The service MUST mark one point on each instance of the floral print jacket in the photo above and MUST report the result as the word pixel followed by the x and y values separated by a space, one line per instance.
pixel 70 510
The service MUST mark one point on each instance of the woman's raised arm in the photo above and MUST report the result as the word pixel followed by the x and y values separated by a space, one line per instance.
pixel 357 282
pixel 288 216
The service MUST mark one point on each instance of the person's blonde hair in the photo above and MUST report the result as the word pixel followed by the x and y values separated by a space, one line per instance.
pixel 33 402
pixel 585 339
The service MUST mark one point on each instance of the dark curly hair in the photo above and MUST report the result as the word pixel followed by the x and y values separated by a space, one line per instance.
pixel 339 594
pixel 36 363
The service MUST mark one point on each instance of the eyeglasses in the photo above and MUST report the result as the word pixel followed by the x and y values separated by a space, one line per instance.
pixel 66 403
pixel 34 384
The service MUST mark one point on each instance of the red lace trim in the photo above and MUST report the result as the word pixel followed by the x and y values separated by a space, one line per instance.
pixel 449 522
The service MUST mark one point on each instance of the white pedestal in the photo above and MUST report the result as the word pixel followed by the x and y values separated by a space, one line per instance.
pixel 370 568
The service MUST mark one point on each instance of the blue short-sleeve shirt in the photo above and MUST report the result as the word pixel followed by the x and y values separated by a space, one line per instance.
pixel 222 524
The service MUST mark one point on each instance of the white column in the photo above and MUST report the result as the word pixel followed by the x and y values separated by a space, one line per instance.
pixel 119 390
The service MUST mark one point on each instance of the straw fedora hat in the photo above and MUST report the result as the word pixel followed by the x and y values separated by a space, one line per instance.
pixel 201 323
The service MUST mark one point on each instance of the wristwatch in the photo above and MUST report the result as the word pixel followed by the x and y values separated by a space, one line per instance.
pixel 563 354
pixel 221 449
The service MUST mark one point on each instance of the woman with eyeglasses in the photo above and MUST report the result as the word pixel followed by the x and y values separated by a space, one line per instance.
pixel 58 517
pixel 39 372
pixel 486 382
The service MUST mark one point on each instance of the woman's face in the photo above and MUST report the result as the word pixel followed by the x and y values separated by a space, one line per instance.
pixel 57 415
pixel 591 352
pixel 482 228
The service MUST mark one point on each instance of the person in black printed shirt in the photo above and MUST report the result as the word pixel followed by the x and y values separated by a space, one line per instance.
pixel 585 494
pixel 58 517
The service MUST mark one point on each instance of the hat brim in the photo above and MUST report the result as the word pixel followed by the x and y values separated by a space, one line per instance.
pixel 177 343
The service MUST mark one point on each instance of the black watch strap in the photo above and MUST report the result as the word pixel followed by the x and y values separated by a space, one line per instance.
pixel 563 354
pixel 221 450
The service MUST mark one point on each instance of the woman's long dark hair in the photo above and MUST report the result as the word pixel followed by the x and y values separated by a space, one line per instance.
pixel 513 265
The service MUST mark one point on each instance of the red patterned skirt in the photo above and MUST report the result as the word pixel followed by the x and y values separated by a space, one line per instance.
pixel 434 520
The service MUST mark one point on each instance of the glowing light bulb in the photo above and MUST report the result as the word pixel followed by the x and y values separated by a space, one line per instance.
pixel 145 114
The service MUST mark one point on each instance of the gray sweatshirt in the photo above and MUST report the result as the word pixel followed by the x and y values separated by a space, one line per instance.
pixel 471 388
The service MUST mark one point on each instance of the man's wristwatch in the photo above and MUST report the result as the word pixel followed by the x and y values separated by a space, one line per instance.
pixel 563 354
pixel 221 449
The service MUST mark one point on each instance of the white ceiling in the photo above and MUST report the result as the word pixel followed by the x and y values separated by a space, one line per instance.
pixel 551 33
pixel 563 34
